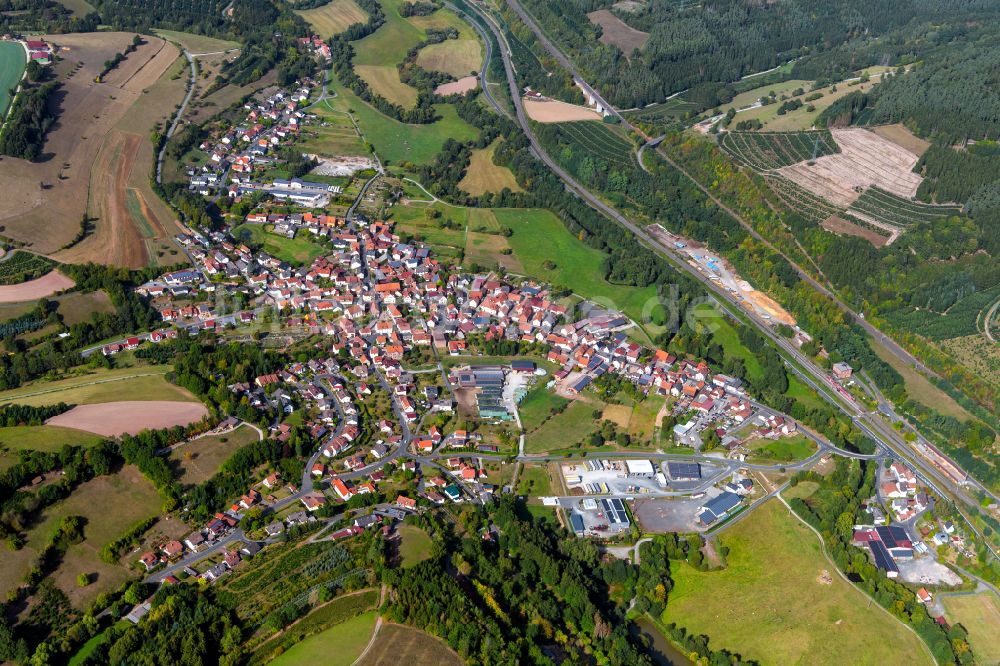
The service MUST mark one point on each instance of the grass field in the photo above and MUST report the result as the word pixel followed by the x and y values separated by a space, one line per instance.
pixel 786 449
pixel 980 615
pixel 297 251
pixel 540 236
pixel 336 138
pixel 196 43
pixel 334 17
pixel 77 307
pixel 415 545
pixel 79 8
pixel 538 404
pixel 801 490
pixel 132 498
pixel 340 644
pixel 787 614
pixel 458 57
pixel 12 64
pixel 919 387
pixel 484 176
pixel 45 438
pixel 200 459
pixel 101 386
pixel 534 480
pixel 397 142
pixel 397 644
pixel 384 81
pixel 563 430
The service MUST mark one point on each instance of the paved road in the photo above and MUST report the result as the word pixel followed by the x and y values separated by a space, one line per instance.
pixel 483 83
pixel 872 425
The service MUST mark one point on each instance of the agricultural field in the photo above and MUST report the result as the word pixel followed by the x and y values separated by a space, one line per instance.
pixel 112 419
pixel 892 209
pixel 458 57
pixel 13 60
pixel 980 615
pixel 397 142
pixel 617 32
pixel 44 438
pixel 45 201
pixel 600 140
pixel 50 283
pixel 414 545
pixel 133 497
pixel 752 96
pixel 405 645
pixel 564 430
pixel 196 44
pixel 554 111
pixel 903 137
pixel 334 137
pixel 100 386
pixel 384 81
pixel 341 644
pixel 22 266
pixel 297 251
pixel 790 612
pixel 765 151
pixel 198 459
pixel 334 17
pixel 540 239
pixel 664 113
pixel 484 176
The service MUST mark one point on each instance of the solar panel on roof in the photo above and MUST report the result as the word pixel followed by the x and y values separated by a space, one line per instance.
pixel 882 558
pixel 886 535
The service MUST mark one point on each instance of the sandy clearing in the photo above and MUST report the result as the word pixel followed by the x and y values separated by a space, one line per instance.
pixel 460 87
pixel 617 32
pixel 130 416
pixel 554 111
pixel 32 290
pixel 866 159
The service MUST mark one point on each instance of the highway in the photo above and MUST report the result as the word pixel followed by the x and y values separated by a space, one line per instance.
pixel 869 423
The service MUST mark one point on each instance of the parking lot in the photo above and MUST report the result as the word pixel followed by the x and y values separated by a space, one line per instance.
pixel 611 478
pixel 677 514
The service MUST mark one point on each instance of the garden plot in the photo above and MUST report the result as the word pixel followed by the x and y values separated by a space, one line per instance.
pixel 866 160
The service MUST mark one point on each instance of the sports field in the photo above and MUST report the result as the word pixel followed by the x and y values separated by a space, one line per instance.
pixel 12 64
pixel 773 603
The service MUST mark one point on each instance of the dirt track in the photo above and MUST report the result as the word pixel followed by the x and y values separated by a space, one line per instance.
pixel 130 416
pixel 32 290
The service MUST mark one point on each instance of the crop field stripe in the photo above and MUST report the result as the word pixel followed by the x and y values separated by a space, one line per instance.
pixel 602 147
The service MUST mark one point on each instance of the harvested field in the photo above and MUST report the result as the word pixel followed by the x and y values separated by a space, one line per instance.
pixel 334 17
pixel 841 226
pixel 384 81
pixel 130 416
pixel 405 645
pixel 44 201
pixel 616 32
pixel 866 159
pixel 100 386
pixel 458 57
pixel 484 176
pixel 460 87
pixel 903 138
pixel 554 111
pixel 34 289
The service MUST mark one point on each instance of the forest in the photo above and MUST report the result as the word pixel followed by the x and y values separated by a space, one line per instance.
pixel 30 118
pixel 701 47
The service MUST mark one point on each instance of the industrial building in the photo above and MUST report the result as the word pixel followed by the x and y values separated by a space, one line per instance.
pixel 719 507
pixel 683 471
